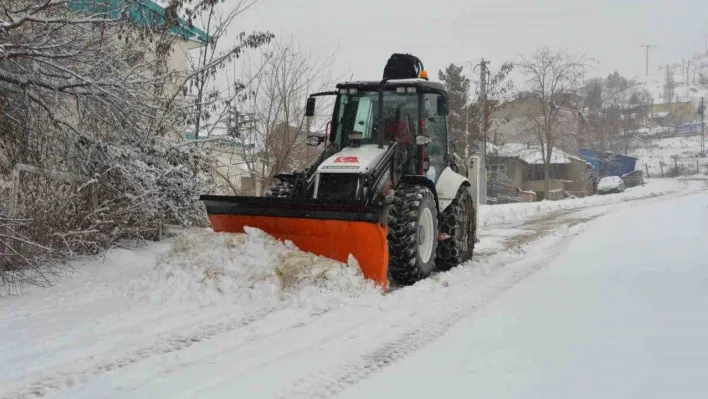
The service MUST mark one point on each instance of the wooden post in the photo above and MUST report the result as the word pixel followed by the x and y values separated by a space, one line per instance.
pixel 661 166
pixel 646 166
pixel 676 166
pixel 697 169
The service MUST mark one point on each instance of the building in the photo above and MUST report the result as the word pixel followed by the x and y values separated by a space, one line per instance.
pixel 149 13
pixel 673 114
pixel 516 169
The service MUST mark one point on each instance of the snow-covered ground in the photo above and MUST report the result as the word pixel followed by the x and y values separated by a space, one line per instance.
pixel 686 148
pixel 516 212
pixel 621 312
pixel 214 315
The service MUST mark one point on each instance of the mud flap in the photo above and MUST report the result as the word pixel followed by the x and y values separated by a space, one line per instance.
pixel 331 229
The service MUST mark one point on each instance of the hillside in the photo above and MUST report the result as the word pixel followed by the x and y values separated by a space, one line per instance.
pixel 660 153
pixel 691 89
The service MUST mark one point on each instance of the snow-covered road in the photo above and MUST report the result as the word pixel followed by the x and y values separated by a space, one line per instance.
pixel 622 312
pixel 135 327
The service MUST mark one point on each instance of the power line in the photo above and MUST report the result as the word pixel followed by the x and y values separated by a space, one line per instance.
pixel 647 47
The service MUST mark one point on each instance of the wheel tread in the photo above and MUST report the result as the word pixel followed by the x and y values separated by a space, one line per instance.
pixel 403 217
pixel 449 253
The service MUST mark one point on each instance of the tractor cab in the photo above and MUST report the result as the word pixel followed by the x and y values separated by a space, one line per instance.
pixel 409 112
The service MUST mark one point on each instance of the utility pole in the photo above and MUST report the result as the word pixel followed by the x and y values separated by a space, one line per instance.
pixel 482 181
pixel 483 105
pixel 702 112
pixel 647 47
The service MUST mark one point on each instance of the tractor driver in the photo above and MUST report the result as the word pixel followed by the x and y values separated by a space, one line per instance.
pixel 399 127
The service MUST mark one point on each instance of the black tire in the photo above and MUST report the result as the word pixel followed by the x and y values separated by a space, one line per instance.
pixel 458 222
pixel 279 190
pixel 407 232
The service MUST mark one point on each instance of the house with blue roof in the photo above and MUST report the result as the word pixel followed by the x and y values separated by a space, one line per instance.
pixel 151 14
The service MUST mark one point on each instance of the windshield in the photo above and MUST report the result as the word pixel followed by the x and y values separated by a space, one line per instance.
pixel 359 112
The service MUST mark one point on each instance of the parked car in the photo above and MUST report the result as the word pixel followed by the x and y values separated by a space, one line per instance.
pixel 610 184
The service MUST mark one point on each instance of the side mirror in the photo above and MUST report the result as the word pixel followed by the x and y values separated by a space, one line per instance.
pixel 310 107
pixel 314 140
pixel 443 109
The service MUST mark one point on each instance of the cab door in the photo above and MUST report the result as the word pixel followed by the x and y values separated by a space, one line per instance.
pixel 435 128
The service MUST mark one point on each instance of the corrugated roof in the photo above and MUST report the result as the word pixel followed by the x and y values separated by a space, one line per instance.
pixel 530 154
pixel 141 12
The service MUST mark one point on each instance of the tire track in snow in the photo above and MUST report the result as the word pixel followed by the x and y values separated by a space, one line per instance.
pixel 333 380
pixel 56 381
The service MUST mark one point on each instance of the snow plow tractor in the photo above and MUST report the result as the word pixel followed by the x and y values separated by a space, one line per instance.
pixel 386 189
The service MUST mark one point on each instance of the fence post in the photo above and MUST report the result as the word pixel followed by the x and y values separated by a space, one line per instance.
pixel 661 166
pixel 646 166
pixel 697 170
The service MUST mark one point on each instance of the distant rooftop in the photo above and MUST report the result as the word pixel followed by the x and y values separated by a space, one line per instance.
pixel 532 154
pixel 142 13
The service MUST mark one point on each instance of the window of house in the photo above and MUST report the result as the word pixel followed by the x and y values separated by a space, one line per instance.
pixel 498 168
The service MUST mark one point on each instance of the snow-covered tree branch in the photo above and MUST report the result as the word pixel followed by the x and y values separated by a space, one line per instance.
pixel 90 91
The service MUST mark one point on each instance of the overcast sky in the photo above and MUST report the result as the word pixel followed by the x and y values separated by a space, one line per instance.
pixel 365 32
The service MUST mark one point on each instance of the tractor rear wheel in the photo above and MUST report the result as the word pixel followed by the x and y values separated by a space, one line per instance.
pixel 458 222
pixel 412 234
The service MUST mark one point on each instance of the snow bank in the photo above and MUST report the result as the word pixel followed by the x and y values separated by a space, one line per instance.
pixel 507 213
pixel 252 269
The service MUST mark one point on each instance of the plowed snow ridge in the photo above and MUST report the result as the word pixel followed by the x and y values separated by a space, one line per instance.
pixel 253 270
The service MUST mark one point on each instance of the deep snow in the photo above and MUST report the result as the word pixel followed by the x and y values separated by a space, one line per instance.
pixel 214 315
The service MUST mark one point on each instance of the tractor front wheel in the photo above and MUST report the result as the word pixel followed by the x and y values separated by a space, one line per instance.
pixel 412 234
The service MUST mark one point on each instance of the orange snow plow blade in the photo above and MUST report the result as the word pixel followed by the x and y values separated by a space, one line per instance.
pixel 333 229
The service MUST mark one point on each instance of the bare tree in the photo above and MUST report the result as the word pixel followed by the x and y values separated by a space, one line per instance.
pixel 281 80
pixel 209 102
pixel 625 104
pixel 465 114
pixel 498 88
pixel 669 90
pixel 553 81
